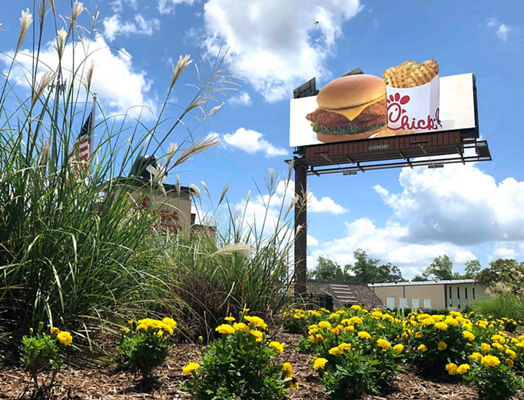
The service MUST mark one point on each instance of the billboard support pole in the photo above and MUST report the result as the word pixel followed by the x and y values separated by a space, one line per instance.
pixel 300 227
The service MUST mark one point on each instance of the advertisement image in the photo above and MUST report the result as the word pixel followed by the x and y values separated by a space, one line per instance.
pixel 409 98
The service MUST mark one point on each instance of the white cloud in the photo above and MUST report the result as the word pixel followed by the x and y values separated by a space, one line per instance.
pixel 168 6
pixel 325 204
pixel 285 190
pixel 118 85
pixel 311 241
pixel 274 44
pixel 252 142
pixel 386 244
pixel 118 5
pixel 114 27
pixel 242 99
pixel 501 30
pixel 458 204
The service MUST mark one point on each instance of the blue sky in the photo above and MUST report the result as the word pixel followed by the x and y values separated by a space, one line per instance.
pixel 406 217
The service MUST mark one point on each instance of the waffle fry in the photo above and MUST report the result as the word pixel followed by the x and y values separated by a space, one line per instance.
pixel 411 74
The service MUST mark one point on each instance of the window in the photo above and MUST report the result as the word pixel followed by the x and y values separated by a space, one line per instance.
pixel 466 293
pixel 473 293
pixel 458 292
pixel 390 303
pixel 450 296
pixel 427 303
pixel 402 302
pixel 415 303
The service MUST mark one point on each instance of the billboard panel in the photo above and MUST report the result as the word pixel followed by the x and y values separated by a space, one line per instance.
pixel 365 107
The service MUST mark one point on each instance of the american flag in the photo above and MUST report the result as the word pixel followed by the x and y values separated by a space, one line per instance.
pixel 84 143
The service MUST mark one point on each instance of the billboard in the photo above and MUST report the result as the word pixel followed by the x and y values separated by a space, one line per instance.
pixel 410 98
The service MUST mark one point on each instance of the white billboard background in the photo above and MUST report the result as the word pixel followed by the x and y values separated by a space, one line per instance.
pixel 457 110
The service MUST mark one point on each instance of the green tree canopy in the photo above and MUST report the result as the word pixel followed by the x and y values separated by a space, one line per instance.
pixel 504 276
pixel 329 270
pixel 441 268
pixel 364 270
pixel 473 268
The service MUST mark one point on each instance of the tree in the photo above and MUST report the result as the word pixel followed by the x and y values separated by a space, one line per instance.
pixel 367 270
pixel 419 278
pixel 473 268
pixel 504 276
pixel 329 270
pixel 441 268
pixel 389 273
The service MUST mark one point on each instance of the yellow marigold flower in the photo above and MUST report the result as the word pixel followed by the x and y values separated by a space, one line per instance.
pixel 336 351
pixel 355 321
pixel 160 333
pixel 230 319
pixel 130 322
pixel 64 337
pixel 336 331
pixel 319 363
pixel 364 335
pixel 422 348
pixel 511 353
pixel 468 335
pixel 404 335
pixel 351 328
pixel 475 357
pixel 123 331
pixel 294 385
pixel 192 366
pixel 256 322
pixel 383 343
pixel 398 348
pixel 498 346
pixel 442 326
pixel 170 322
pixel 278 347
pixel 485 347
pixel 490 361
pixel 498 339
pixel 324 325
pixel 442 346
pixel 520 345
pixel 240 326
pixel 225 329
pixel 509 362
pixel 463 369
pixel 312 329
pixel 257 335
pixel 287 369
pixel 452 368
pixel 356 307
pixel 419 334
pixel 334 316
pixel 141 327
pixel 54 330
pixel 345 346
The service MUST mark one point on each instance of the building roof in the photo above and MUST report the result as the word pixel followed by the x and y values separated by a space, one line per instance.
pixel 448 282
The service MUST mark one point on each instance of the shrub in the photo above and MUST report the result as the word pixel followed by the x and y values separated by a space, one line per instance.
pixel 239 365
pixel 501 306
pixel 494 378
pixel 144 346
pixel 41 353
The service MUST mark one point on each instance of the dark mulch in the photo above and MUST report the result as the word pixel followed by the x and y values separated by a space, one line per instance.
pixel 105 383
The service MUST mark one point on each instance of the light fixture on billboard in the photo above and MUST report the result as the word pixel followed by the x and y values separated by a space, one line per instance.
pixel 349 173
pixel 306 89
pixel 436 166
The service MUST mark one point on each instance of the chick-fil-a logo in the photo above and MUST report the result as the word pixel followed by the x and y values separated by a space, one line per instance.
pixel 398 118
